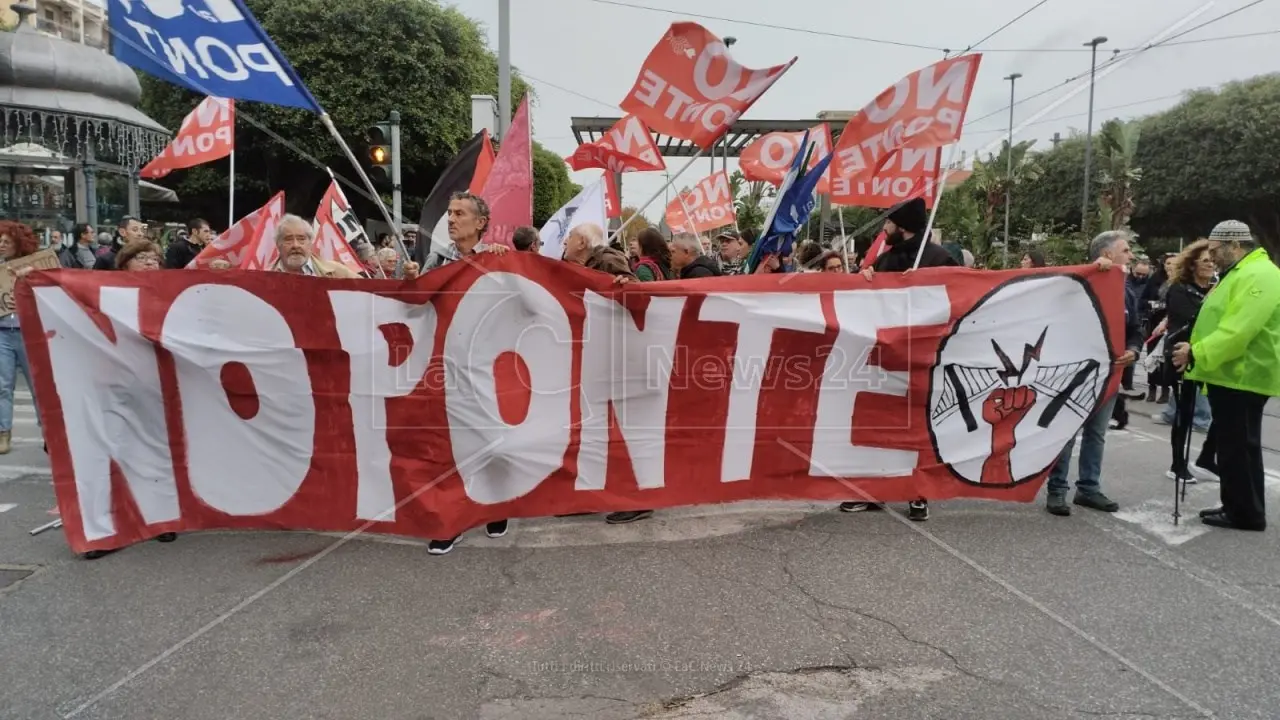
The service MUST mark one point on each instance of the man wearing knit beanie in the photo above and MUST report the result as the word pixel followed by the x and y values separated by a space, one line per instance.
pixel 904 231
pixel 1235 351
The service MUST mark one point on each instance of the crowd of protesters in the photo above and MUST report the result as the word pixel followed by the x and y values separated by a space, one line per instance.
pixel 1210 354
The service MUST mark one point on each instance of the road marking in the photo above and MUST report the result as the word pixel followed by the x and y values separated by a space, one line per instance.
pixel 13 472
pixel 6 507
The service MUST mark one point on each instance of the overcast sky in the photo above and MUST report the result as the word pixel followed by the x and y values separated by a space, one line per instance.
pixel 592 50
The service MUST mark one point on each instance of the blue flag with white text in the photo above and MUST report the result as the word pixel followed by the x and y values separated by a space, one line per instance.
pixel 794 203
pixel 212 47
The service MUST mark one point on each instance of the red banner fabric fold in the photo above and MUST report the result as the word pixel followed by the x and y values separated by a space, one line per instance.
pixel 521 386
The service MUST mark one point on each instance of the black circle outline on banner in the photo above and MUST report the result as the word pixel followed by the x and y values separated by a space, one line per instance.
pixel 942 348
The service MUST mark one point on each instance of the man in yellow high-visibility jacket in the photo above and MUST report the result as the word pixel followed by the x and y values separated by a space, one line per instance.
pixel 1235 351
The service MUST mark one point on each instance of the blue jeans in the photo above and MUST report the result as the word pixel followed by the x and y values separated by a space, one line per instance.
pixel 1091 447
pixel 1203 415
pixel 13 357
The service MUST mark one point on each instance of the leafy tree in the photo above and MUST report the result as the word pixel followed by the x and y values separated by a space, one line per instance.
pixel 634 227
pixel 361 59
pixel 1213 157
pixel 552 187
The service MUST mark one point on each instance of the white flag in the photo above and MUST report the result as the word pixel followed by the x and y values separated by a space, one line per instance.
pixel 585 207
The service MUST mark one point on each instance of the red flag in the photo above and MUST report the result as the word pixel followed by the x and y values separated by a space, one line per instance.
pixel 208 133
pixel 261 252
pixel 690 88
pixel 331 243
pixel 626 147
pixel 236 241
pixel 769 157
pixel 908 174
pixel 709 203
pixel 612 203
pixel 509 188
pixel 923 110
pixel 873 252
pixel 484 163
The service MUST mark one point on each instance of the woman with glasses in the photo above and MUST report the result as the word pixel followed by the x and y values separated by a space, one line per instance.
pixel 138 255
pixel 16 240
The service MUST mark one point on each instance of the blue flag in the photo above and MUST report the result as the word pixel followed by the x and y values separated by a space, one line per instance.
pixel 213 47
pixel 795 200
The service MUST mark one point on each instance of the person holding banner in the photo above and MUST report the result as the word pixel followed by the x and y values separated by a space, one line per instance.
pixel 16 240
pixel 294 241
pixel 903 231
pixel 468 221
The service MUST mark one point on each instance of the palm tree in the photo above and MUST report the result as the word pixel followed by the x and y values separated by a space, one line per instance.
pixel 1118 175
pixel 749 197
pixel 991 178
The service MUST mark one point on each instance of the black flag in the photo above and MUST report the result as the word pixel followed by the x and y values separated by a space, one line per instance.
pixel 433 225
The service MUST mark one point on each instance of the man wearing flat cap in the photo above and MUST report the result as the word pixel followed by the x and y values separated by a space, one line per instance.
pixel 904 231
pixel 1235 352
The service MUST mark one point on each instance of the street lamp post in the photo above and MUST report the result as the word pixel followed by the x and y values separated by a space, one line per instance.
pixel 1008 173
pixel 504 68
pixel 1088 137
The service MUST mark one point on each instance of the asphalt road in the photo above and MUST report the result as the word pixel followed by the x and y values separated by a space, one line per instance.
pixel 764 610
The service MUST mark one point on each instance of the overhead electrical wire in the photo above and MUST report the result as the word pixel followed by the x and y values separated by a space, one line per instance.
pixel 1118 56
pixel 937 48
pixel 770 26
pixel 1082 114
pixel 1003 27
pixel 602 103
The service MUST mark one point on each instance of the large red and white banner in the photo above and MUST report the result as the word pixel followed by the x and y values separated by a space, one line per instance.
pixel 208 133
pixel 769 157
pixel 519 386
pixel 626 147
pixel 709 204
pixel 923 110
pixel 691 88
pixel 508 189
pixel 910 173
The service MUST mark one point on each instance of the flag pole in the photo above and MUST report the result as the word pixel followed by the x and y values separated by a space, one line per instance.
pixel 653 197
pixel 688 218
pixel 231 196
pixel 368 184
pixel 937 200
pixel 844 241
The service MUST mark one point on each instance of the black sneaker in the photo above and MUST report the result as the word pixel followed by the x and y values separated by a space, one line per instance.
pixel 1181 476
pixel 1213 511
pixel 1057 505
pixel 496 529
pixel 1096 501
pixel 166 537
pixel 918 510
pixel 621 518
pixel 860 507
pixel 440 547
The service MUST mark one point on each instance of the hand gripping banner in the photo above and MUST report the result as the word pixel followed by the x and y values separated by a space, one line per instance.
pixel 520 386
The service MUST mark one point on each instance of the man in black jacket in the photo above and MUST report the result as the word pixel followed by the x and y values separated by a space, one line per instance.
pixel 687 259
pixel 129 230
pixel 904 231
pixel 1107 249
pixel 185 249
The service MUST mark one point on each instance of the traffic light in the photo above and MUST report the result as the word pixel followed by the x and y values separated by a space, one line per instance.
pixel 380 152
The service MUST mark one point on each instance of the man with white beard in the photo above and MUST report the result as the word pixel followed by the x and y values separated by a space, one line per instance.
pixel 294 237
